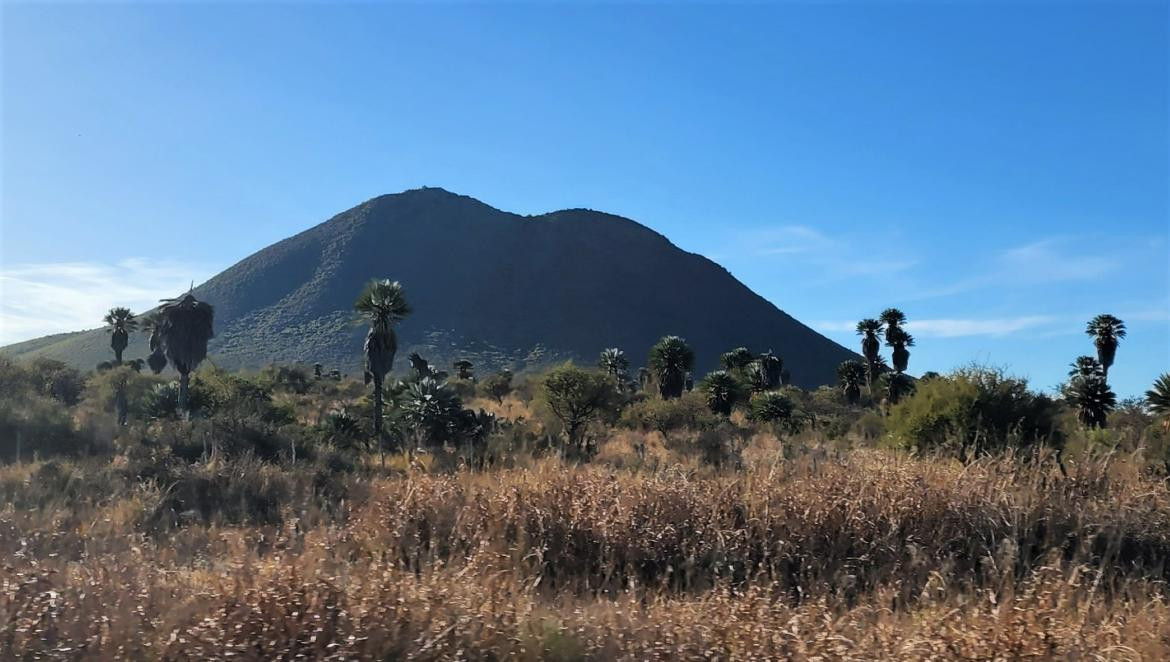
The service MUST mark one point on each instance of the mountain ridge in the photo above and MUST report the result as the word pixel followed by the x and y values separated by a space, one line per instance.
pixel 503 289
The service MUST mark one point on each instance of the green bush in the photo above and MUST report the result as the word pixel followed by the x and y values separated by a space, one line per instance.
pixel 37 426
pixel 666 416
pixel 973 411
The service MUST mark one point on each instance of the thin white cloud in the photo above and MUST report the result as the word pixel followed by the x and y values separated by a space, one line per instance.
pixel 819 257
pixel 957 328
pixel 40 299
pixel 1049 261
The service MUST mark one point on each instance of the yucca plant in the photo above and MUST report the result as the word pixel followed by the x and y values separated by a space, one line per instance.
pixel 893 319
pixel 722 391
pixel 1106 331
pixel 773 368
pixel 1092 399
pixel 383 303
pixel 614 363
pixel 671 359
pixel 184 329
pixel 776 409
pixel 1158 397
pixel 736 359
pixel 149 324
pixel 121 322
pixel 899 340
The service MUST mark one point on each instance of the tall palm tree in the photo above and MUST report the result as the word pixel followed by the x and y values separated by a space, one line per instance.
pixel 149 323
pixel 121 322
pixel 773 368
pixel 1106 331
pixel 851 374
pixel 869 329
pixel 893 319
pixel 1158 397
pixel 1086 366
pixel 184 327
pixel 671 359
pixel 899 339
pixel 722 390
pixel 736 359
pixel 383 302
pixel 614 363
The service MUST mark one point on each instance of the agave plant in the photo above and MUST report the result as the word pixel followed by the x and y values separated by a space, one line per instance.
pixel 722 390
pixel 736 359
pixel 1092 399
pixel 184 328
pixel 1158 397
pixel 851 375
pixel 1106 331
pixel 671 360
pixel 869 329
pixel 383 303
pixel 899 339
pixel 121 322
pixel 614 363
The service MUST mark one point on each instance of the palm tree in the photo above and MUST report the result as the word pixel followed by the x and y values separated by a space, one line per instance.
pixel 383 302
pixel 149 324
pixel 463 369
pixel 184 327
pixel 722 390
pixel 1092 398
pixel 893 319
pixel 1158 397
pixel 614 363
pixel 736 359
pixel 757 378
pixel 1106 331
pixel 121 322
pixel 1086 366
pixel 869 329
pixel 899 339
pixel 671 359
pixel 773 368
pixel 851 374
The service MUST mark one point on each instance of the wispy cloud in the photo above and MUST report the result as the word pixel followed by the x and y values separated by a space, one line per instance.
pixel 818 255
pixel 958 327
pixel 1052 261
pixel 39 299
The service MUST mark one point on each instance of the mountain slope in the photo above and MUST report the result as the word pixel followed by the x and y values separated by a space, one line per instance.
pixel 501 289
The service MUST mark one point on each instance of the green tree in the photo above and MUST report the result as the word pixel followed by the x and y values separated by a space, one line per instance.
pixel 670 361
pixel 576 396
pixel 899 339
pixel 496 386
pixel 851 375
pixel 121 322
pixel 722 391
pixel 869 329
pixel 185 326
pixel 383 303
pixel 1086 366
pixel 1106 331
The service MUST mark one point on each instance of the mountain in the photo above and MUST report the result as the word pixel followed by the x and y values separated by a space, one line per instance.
pixel 500 289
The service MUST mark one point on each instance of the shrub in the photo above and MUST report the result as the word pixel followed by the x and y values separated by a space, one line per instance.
pixel 36 426
pixel 496 386
pixel 776 409
pixel 973 411
pixel 666 416
pixel 576 396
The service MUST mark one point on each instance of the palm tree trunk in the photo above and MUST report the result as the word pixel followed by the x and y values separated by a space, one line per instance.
pixel 120 406
pixel 183 383
pixel 378 408
pixel 118 357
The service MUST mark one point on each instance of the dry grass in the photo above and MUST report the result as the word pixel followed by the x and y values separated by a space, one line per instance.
pixel 865 555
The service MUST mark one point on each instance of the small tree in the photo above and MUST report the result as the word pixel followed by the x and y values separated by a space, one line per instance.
pixel 1092 399
pixel 671 359
pixel 184 328
pixel 851 375
pixel 121 322
pixel 463 369
pixel 496 386
pixel 576 396
pixel 614 363
pixel 383 302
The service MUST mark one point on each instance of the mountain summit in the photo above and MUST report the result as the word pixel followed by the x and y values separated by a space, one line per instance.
pixel 500 289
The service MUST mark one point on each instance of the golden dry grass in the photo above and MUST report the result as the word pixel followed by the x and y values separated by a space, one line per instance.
pixel 862 555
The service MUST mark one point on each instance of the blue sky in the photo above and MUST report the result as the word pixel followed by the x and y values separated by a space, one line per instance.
pixel 998 171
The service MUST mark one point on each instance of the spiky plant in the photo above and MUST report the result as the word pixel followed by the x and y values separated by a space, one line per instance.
pixel 722 391
pixel 463 369
pixel 121 322
pixel 149 323
pixel 671 359
pixel 614 363
pixel 1106 331
pixel 899 340
pixel 431 410
pixel 383 303
pixel 893 319
pixel 869 329
pixel 1158 397
pixel 1092 399
pixel 851 375
pixel 736 359
pixel 184 328
pixel 757 378
pixel 774 408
